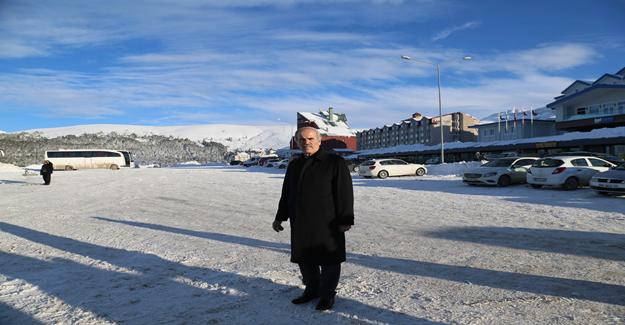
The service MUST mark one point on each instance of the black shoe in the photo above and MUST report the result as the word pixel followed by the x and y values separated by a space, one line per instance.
pixel 304 298
pixel 325 303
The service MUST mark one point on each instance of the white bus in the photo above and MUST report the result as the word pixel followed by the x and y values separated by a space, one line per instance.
pixel 72 159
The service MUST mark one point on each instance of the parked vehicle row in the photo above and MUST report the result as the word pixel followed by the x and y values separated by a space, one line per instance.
pixel 568 172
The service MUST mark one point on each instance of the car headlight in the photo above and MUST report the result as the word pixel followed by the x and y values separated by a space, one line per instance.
pixel 490 174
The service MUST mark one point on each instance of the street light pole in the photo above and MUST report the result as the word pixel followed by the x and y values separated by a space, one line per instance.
pixel 440 105
pixel 440 111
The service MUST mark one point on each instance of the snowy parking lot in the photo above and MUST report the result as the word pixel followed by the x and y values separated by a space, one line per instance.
pixel 195 246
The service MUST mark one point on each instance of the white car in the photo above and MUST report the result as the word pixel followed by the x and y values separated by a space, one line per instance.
pixel 282 164
pixel 569 172
pixel 384 168
pixel 610 182
pixel 500 172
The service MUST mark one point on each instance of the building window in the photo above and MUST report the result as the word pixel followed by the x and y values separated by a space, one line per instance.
pixel 581 110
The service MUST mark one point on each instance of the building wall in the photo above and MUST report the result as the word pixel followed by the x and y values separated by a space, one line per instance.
pixel 456 127
pixel 494 132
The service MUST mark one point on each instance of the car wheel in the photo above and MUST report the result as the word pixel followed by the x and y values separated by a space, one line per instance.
pixel 114 167
pixel 503 181
pixel 68 167
pixel 536 186
pixel 420 172
pixel 355 169
pixel 383 174
pixel 571 183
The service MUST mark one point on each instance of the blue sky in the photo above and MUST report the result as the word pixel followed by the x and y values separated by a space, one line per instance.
pixel 259 61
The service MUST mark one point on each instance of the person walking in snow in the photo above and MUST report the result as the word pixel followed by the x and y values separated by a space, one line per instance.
pixel 317 199
pixel 46 171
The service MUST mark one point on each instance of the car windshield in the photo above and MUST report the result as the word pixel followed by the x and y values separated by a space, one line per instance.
pixel 620 167
pixel 547 162
pixel 368 163
pixel 499 163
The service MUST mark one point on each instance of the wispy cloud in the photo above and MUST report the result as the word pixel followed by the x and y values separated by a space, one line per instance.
pixel 448 31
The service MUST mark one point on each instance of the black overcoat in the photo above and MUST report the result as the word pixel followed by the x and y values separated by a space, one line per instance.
pixel 46 169
pixel 317 197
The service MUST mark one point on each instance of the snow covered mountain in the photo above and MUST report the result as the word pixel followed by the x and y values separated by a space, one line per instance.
pixel 232 136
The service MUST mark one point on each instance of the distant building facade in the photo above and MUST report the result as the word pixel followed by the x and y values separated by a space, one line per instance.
pixel 523 129
pixel 584 105
pixel 420 130
pixel 335 132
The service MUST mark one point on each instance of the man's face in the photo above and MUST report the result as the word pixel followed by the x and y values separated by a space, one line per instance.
pixel 308 142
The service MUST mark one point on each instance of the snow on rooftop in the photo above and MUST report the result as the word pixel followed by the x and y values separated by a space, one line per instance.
pixel 326 127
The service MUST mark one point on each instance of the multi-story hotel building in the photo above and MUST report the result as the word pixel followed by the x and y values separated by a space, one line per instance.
pixel 420 130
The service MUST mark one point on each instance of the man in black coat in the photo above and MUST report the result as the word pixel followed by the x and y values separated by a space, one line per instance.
pixel 46 171
pixel 318 200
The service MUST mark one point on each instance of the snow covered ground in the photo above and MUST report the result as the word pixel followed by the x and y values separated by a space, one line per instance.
pixel 195 246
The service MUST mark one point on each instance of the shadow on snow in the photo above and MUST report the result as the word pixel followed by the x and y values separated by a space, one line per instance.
pixel 153 291
pixel 537 284
pixel 607 246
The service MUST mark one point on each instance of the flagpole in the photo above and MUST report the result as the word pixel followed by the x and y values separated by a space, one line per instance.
pixel 531 122
pixel 499 126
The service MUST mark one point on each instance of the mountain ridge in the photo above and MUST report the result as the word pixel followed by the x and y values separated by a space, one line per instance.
pixel 234 137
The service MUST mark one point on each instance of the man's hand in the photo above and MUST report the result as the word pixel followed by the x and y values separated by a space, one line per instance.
pixel 277 225
pixel 344 228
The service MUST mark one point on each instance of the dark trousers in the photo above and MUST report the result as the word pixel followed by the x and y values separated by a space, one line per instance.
pixel 47 178
pixel 321 279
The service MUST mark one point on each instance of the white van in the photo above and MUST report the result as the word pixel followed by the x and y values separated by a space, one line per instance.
pixel 72 159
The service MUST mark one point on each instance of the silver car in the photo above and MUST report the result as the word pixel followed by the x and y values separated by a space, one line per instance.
pixel 610 182
pixel 500 172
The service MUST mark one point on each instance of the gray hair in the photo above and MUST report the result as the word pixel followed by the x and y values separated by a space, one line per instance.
pixel 299 131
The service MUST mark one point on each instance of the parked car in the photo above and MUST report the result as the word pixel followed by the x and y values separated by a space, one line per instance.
pixel 500 172
pixel 272 162
pixel 282 164
pixel 570 172
pixel 507 154
pixel 611 158
pixel 251 162
pixel 609 182
pixel 262 161
pixel 353 164
pixel 384 168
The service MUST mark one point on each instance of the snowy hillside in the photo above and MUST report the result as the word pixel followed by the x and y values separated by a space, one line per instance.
pixel 232 136
pixel 543 113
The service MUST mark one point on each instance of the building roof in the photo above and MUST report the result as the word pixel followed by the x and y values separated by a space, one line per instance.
pixel 581 92
pixel 597 84
pixel 327 127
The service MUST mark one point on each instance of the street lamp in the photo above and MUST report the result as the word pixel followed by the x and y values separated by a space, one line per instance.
pixel 440 106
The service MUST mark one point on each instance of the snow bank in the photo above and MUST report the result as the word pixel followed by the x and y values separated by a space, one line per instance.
pixel 455 169
pixel 9 168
